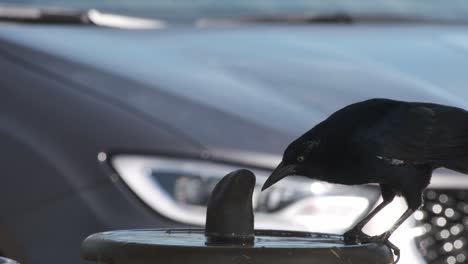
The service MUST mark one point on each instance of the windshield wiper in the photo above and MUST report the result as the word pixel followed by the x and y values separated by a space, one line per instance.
pixel 332 18
pixel 78 17
pixel 324 18
pixel 302 19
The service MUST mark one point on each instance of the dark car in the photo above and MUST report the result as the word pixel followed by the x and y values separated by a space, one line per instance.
pixel 116 121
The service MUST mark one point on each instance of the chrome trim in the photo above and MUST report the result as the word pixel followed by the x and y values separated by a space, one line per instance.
pixel 448 179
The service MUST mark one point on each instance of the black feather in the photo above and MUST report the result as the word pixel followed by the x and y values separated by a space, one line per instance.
pixel 393 143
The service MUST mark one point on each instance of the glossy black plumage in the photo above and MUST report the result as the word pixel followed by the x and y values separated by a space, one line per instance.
pixel 393 143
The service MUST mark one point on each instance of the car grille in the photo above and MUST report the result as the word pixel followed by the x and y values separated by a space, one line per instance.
pixel 443 221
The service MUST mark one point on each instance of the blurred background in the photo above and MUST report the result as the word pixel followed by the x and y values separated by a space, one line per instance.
pixel 125 114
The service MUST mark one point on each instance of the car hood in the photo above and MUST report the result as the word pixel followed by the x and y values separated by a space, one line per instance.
pixel 256 88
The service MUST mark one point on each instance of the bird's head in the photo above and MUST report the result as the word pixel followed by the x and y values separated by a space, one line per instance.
pixel 298 159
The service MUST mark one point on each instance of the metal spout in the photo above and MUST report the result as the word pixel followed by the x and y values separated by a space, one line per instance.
pixel 229 217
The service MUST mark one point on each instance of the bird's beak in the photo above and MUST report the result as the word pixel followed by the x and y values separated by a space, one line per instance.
pixel 279 173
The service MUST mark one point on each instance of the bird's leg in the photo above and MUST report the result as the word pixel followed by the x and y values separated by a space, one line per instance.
pixel 414 200
pixel 383 238
pixel 355 235
pixel 385 235
pixel 413 197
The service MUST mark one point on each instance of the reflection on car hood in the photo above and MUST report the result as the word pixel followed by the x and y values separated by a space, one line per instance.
pixel 257 88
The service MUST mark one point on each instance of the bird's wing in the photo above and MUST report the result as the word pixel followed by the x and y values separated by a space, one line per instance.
pixel 403 134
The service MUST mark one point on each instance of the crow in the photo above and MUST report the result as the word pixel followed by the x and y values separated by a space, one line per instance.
pixel 394 144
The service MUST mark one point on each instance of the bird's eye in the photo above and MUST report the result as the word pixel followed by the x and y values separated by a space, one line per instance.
pixel 300 158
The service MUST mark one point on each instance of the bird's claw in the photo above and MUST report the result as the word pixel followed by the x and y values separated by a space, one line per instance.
pixel 395 249
pixel 383 238
pixel 355 236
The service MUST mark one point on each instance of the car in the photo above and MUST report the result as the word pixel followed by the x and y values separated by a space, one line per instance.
pixel 127 120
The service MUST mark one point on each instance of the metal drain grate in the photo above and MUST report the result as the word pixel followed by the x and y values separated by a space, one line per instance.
pixel 443 221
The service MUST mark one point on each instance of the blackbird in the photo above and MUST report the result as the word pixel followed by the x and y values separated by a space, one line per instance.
pixel 395 144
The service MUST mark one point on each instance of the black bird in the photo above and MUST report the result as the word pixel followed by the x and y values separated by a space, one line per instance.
pixel 393 143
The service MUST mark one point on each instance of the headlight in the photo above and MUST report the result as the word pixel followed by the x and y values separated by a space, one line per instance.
pixel 179 189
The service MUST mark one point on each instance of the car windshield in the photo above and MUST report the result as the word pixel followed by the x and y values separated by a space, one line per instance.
pixel 189 10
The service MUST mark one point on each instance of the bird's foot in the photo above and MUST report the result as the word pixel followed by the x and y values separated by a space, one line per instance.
pixel 355 236
pixel 380 238
pixel 383 238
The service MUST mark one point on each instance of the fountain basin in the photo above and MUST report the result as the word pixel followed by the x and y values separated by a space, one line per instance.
pixel 154 246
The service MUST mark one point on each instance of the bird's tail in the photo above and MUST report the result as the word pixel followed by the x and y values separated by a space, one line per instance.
pixel 459 165
pixel 452 143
